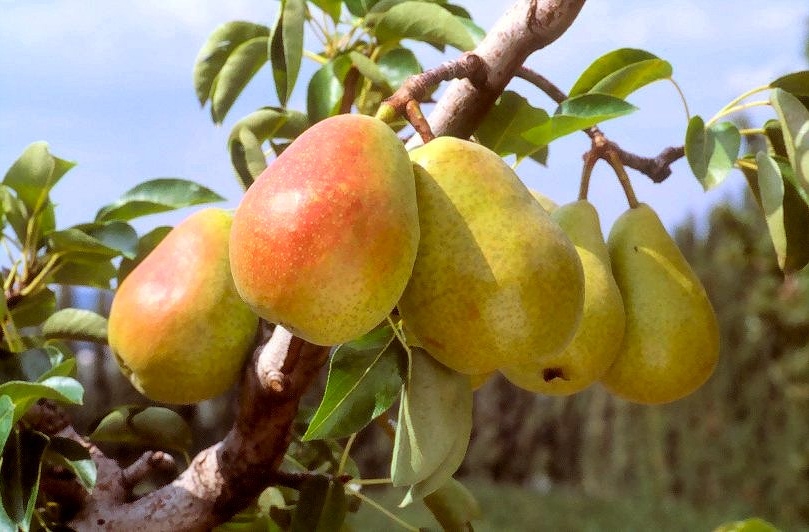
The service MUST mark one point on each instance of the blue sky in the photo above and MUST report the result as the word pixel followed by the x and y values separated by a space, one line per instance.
pixel 108 84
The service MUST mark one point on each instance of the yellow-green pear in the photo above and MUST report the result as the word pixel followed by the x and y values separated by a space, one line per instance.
pixel 496 281
pixel 592 350
pixel 671 343
pixel 547 203
pixel 177 327
pixel 324 241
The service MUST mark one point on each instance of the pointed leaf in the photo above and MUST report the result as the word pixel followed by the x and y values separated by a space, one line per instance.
pixel 369 69
pixel 20 474
pixel 65 368
pixel 330 7
pixel 6 419
pixel 146 244
pixel 453 506
pixel 248 134
pixel 73 240
pixel 772 128
pixel 214 53
pixel 34 173
pixel 239 68
pixel 34 309
pixel 771 193
pixel 796 83
pixel 711 152
pixel 504 125
pixel 73 456
pixel 286 47
pixel 78 270
pixel 607 65
pixel 155 196
pixel 24 394
pixel 76 324
pixel 576 114
pixel 325 91
pixel 435 422
pixel 364 380
pixel 115 235
pixel 423 21
pixel 627 80
pixel 794 119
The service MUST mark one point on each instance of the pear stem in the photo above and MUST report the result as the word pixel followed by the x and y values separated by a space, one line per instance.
pixel 615 161
pixel 590 159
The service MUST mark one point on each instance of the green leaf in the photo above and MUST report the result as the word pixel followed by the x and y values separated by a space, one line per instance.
pixel 359 8
pixel 794 119
pixel 476 32
pixel 453 506
pixel 754 524
pixel 20 474
pixel 248 134
pixel 238 70
pixel 772 128
pixel 796 83
pixel 34 364
pixel 155 196
pixel 24 394
pixel 152 427
pixel 216 50
pixel 34 174
pixel 6 418
pixel 34 308
pixel 364 380
pixel 115 235
pixel 576 114
pixel 76 324
pixel 423 21
pixel 771 193
pixel 610 65
pixel 74 457
pixel 321 507
pixel 325 91
pixel 435 423
pixel 331 8
pixel 65 368
pixel 74 240
pixel 503 127
pixel 14 211
pixel 85 270
pixel 632 77
pixel 369 69
pixel 711 152
pixel 397 65
pixel 146 244
pixel 286 47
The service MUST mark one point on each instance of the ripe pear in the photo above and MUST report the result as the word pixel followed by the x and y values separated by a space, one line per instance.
pixel 598 338
pixel 177 327
pixel 496 281
pixel 325 239
pixel 547 203
pixel 671 343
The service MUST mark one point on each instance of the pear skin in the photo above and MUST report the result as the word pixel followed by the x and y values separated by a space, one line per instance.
pixel 496 281
pixel 671 343
pixel 325 239
pixel 177 327
pixel 547 203
pixel 596 342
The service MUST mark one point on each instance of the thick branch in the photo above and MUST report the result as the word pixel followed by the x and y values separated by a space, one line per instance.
pixel 226 477
pixel 526 27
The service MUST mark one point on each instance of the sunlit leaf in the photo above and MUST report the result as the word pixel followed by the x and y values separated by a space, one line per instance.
pixel 24 394
pixel 576 114
pixel 504 125
pixel 794 119
pixel 34 309
pixel 423 21
pixel 239 68
pixel 73 240
pixel 213 54
pixel 116 235
pixel 754 524
pixel 33 175
pixel 74 457
pixel 155 196
pixel 632 77
pixel 76 324
pixel 397 65
pixel 711 152
pixel 435 423
pixel 248 134
pixel 325 91
pixel 369 69
pixel 286 47
pixel 6 418
pixel 364 380
pixel 359 8
pixel 330 7
pixel 609 64
pixel 146 244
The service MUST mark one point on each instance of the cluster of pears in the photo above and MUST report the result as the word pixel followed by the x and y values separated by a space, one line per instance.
pixel 346 225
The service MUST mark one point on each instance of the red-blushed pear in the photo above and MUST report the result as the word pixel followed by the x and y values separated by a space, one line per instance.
pixel 496 281
pixel 177 327
pixel 325 239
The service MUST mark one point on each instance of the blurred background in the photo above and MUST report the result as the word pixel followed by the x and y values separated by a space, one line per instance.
pixel 111 88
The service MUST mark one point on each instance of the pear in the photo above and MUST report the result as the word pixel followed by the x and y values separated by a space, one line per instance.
pixel 596 342
pixel 325 239
pixel 547 203
pixel 671 343
pixel 496 282
pixel 177 327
